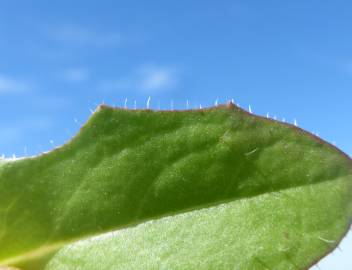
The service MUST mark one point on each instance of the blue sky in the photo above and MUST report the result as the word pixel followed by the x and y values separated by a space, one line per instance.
pixel 59 60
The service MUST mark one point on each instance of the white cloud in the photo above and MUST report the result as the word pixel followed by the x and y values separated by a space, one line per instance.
pixel 18 130
pixel 118 84
pixel 9 135
pixel 75 75
pixel 74 34
pixel 11 85
pixel 147 79
pixel 348 67
pixel 51 103
pixel 154 78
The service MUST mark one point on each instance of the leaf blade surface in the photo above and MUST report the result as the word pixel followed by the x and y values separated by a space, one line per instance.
pixel 127 167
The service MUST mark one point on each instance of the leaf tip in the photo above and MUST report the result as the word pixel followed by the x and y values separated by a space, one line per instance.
pixel 230 104
pixel 102 107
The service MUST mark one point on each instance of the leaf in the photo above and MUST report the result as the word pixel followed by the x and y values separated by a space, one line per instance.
pixel 202 189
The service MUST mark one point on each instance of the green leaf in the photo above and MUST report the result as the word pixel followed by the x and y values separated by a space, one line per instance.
pixel 202 189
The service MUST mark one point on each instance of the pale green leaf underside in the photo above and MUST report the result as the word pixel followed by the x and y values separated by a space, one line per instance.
pixel 205 189
pixel 261 232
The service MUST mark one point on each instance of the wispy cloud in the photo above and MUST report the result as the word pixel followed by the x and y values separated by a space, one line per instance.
pixel 78 35
pixel 18 130
pixel 51 103
pixel 146 78
pixel 11 85
pixel 10 134
pixel 153 78
pixel 74 74
pixel 348 67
